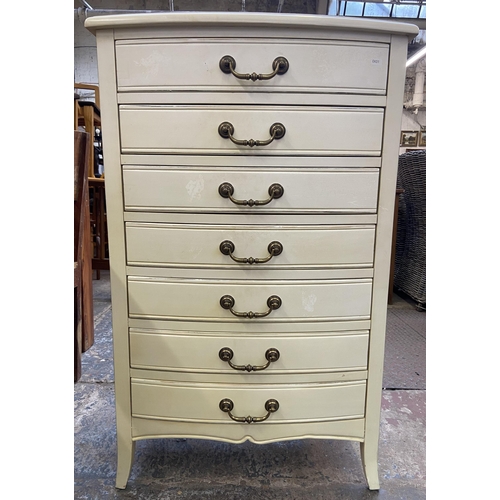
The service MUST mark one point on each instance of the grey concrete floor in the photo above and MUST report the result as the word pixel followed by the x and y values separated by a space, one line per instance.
pixel 301 469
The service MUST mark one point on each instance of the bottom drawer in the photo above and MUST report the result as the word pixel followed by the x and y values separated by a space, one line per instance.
pixel 203 402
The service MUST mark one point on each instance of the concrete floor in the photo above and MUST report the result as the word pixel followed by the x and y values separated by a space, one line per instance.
pixel 301 469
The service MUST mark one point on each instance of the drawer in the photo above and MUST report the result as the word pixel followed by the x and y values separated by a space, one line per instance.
pixel 200 402
pixel 200 353
pixel 307 130
pixel 306 190
pixel 194 65
pixel 200 300
pixel 208 246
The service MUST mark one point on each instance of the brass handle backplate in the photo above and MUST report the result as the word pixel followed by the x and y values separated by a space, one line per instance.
pixel 274 248
pixel 226 131
pixel 226 354
pixel 273 302
pixel 271 405
pixel 226 190
pixel 280 66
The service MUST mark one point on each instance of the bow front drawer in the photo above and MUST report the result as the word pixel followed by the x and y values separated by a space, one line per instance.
pixel 299 403
pixel 251 130
pixel 244 247
pixel 248 356
pixel 320 67
pixel 158 188
pixel 244 301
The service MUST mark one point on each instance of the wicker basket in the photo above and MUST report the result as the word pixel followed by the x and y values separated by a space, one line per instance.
pixel 409 269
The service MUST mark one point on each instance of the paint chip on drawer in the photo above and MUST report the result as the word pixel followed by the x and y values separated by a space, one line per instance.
pixel 308 302
pixel 194 188
pixel 152 62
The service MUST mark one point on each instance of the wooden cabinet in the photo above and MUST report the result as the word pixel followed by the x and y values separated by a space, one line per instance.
pixel 250 208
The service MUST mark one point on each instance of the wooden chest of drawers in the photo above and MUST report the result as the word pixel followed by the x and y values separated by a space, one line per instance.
pixel 250 222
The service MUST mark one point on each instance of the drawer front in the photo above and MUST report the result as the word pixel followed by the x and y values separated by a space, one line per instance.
pixel 188 189
pixel 325 67
pixel 192 245
pixel 196 353
pixel 195 130
pixel 306 300
pixel 297 403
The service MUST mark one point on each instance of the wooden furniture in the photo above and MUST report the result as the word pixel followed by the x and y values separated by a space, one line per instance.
pixel 93 88
pixel 88 116
pixel 83 300
pixel 99 224
pixel 250 167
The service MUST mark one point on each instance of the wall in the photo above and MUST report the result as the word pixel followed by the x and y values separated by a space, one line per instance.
pixel 85 55
pixel 413 122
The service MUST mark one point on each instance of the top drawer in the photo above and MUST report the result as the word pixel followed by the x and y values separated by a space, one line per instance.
pixel 329 66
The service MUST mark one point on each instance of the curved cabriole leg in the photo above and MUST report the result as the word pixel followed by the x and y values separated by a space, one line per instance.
pixel 369 459
pixel 126 452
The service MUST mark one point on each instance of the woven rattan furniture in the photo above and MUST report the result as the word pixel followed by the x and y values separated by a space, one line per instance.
pixel 409 272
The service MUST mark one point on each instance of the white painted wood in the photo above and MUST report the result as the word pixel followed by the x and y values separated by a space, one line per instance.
pixel 198 300
pixel 179 351
pixel 223 97
pixel 189 189
pixel 143 428
pixel 254 328
pixel 114 207
pixel 257 164
pixel 200 402
pixel 164 161
pixel 194 65
pixel 252 272
pixel 383 259
pixel 265 217
pixel 250 32
pixel 244 378
pixel 194 22
pixel 194 129
pixel 303 246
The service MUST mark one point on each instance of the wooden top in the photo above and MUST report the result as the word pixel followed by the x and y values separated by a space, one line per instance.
pixel 248 19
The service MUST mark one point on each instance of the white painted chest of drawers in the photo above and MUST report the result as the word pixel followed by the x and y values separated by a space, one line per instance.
pixel 250 212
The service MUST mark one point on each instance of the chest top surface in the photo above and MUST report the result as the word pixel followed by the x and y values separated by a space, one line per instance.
pixel 248 20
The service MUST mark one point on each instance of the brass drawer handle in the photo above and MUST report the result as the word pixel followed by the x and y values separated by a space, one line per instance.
pixel 226 354
pixel 274 248
pixel 271 405
pixel 280 66
pixel 226 130
pixel 273 302
pixel 275 191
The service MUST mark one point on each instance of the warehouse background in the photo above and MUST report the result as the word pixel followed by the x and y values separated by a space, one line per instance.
pixel 414 116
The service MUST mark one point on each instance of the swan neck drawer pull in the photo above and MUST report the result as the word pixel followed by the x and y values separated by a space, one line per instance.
pixel 274 248
pixel 273 302
pixel 271 405
pixel 226 131
pixel 280 66
pixel 275 191
pixel 226 354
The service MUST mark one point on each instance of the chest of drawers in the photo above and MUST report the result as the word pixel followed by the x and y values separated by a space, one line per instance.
pixel 250 223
